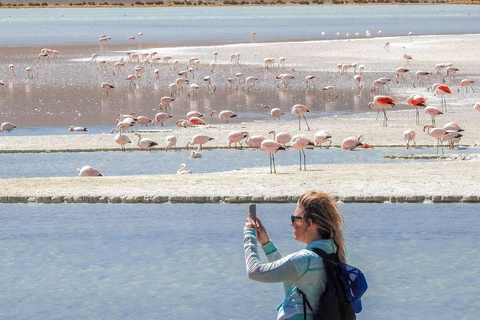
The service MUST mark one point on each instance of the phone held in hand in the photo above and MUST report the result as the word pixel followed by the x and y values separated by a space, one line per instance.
pixel 252 208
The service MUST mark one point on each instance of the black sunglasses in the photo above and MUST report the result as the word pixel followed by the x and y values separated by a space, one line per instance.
pixel 295 218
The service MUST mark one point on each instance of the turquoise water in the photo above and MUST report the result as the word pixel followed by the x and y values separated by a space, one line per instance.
pixel 49 27
pixel 187 262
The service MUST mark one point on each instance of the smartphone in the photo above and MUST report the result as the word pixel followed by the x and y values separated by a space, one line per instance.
pixel 252 208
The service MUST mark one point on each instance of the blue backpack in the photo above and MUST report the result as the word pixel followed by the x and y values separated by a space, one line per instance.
pixel 345 286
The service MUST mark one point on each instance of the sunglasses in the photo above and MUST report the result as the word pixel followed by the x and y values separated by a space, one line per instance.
pixel 295 218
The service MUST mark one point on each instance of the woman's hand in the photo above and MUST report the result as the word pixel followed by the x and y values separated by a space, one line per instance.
pixel 262 235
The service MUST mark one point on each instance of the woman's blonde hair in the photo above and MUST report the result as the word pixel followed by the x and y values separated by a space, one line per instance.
pixel 323 212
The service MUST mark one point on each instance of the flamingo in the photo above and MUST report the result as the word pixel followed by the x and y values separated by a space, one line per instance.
pixel 301 142
pixel 142 120
pixel 125 124
pixel 194 114
pixel 196 154
pixel 193 90
pixel 254 141
pixel 29 71
pixel 231 83
pixel 465 83
pixel 386 46
pixel 196 121
pixel 145 143
pixel 132 79
pixel 224 115
pixel 118 66
pixel 310 80
pixel 330 90
pixel 281 62
pixel 101 65
pixel 358 81
pixel 433 112
pixel 436 133
pixel 7 126
pixel 171 143
pixel 275 112
pixel 400 74
pixel 199 139
pixel 107 87
pixel 300 110
pixel 165 102
pixel 208 81
pixel 452 128
pixel 351 143
pixel 267 62
pixel 253 34
pixel 181 82
pixel 442 90
pixel 122 140
pixel 321 137
pixel 173 89
pixel 409 135
pixel 215 54
pixel 417 101
pixel 182 169
pixel 382 102
pixel 449 72
pixel 407 57
pixel 88 171
pixel 12 69
pixel 235 136
pixel 283 137
pixel 249 83
pixel 271 146
pixel 284 78
pixel 72 128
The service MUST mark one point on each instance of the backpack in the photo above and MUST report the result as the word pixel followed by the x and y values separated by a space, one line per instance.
pixel 344 288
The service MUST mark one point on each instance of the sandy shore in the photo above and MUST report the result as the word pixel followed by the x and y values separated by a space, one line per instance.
pixel 437 181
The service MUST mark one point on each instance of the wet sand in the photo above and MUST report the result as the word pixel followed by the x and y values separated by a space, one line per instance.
pixel 447 180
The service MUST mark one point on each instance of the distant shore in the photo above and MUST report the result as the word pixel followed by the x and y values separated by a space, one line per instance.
pixel 152 4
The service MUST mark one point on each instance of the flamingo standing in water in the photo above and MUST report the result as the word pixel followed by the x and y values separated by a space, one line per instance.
pixel 7 126
pixel 442 90
pixel 283 137
pixel 417 101
pixel 224 115
pixel 182 169
pixel 436 133
pixel 382 102
pixel 122 140
pixel 351 143
pixel 275 112
pixel 321 137
pixel 407 57
pixel 271 146
pixel 235 136
pixel 409 135
pixel 171 142
pixel 165 102
pixel 301 142
pixel 433 112
pixel 300 110
pixel 145 143
pixel 107 87
pixel 161 117
pixel 88 171
pixel 254 141
pixel 72 128
pixel 465 83
pixel 199 139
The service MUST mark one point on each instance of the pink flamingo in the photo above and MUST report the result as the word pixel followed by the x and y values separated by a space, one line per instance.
pixel 145 143
pixel 351 143
pixel 88 171
pixel 122 140
pixel 275 112
pixel 465 83
pixel 477 106
pixel 419 77
pixel 301 142
pixel 271 146
pixel 442 90
pixel 194 114
pixel 224 115
pixel 171 143
pixel 199 139
pixel 254 141
pixel 196 121
pixel 436 133
pixel 382 102
pixel 300 110
pixel 433 112
pixel 235 136
pixel 453 129
pixel 400 74
pixel 165 102
pixel 417 101
pixel 107 87
pixel 407 57
pixel 283 137
pixel 321 137
pixel 161 117
pixel 310 80
pixel 409 135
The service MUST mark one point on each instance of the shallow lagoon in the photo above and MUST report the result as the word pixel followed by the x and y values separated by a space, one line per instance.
pixel 64 164
pixel 186 261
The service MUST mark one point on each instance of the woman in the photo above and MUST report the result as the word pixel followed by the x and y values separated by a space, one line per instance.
pixel 317 223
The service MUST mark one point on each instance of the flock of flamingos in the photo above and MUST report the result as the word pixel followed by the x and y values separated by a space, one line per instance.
pixel 184 85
